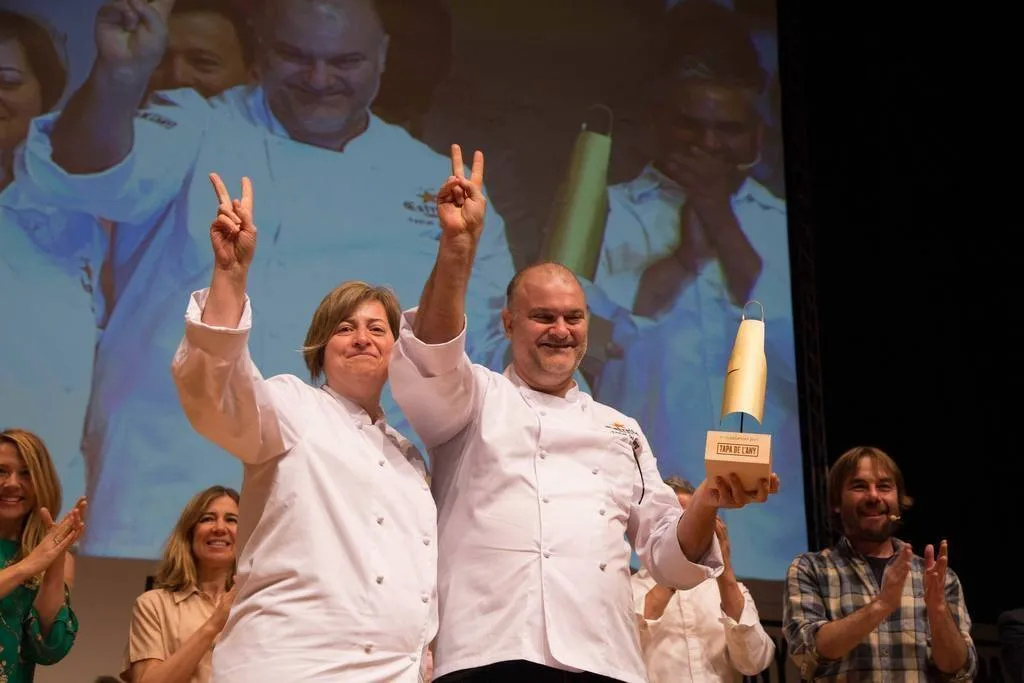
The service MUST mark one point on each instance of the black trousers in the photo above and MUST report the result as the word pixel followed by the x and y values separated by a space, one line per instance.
pixel 520 672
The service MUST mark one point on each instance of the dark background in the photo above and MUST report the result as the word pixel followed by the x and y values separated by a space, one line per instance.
pixel 915 273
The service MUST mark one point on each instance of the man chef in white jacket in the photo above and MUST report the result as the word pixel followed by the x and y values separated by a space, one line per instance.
pixel 537 485
pixel 346 196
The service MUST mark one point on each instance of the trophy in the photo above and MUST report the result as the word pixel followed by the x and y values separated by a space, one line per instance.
pixel 745 454
pixel 575 230
pixel 576 227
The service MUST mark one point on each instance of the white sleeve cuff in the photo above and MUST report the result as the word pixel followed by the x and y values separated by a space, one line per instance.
pixel 219 342
pixel 674 569
pixel 431 360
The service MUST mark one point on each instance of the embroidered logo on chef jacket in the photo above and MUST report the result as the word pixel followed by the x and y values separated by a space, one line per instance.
pixel 159 120
pixel 634 441
pixel 423 208
pixel 629 433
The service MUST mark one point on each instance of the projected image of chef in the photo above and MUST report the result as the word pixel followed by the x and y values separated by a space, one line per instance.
pixel 347 196
pixel 209 48
pixel 688 242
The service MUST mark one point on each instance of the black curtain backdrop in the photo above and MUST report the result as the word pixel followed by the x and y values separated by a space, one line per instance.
pixel 916 244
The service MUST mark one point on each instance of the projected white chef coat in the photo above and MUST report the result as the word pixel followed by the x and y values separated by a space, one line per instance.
pixel 673 373
pixel 50 307
pixel 323 217
pixel 536 495
pixel 337 525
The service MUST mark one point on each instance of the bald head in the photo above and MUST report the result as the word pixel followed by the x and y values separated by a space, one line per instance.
pixel 363 12
pixel 545 271
pixel 546 320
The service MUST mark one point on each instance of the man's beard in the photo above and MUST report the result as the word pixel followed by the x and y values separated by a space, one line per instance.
pixel 853 522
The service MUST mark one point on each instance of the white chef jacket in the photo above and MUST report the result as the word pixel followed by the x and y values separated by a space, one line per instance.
pixel 536 495
pixel 672 376
pixel 323 217
pixel 51 306
pixel 337 526
pixel 695 640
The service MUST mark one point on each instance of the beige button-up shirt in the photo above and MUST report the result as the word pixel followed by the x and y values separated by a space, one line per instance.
pixel 161 622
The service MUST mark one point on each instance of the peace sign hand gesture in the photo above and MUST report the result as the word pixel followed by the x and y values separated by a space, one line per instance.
pixel 232 233
pixel 460 202
pixel 131 36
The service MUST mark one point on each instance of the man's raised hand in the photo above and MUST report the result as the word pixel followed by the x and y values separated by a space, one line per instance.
pixel 131 36
pixel 460 201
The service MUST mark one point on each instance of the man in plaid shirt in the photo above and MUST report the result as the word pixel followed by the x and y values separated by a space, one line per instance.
pixel 868 608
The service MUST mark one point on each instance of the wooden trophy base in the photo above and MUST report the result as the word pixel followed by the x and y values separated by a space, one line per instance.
pixel 747 455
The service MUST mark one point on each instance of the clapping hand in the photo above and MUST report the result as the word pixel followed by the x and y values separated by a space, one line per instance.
pixel 935 577
pixel 723 541
pixel 58 538
pixel 894 578
pixel 223 608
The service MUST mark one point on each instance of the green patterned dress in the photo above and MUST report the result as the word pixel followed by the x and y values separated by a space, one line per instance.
pixel 22 644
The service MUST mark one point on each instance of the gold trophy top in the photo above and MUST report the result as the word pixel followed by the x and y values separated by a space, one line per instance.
pixel 746 376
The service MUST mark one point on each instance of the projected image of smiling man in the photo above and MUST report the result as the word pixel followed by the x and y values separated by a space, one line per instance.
pixel 321 63
pixel 305 132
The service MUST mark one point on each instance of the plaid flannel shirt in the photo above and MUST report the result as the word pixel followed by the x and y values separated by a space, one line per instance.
pixel 831 584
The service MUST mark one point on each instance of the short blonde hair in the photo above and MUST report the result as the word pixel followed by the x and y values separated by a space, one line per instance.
pixel 44 482
pixel 177 570
pixel 339 304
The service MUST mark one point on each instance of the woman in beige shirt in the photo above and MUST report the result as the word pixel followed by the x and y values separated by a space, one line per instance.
pixel 175 625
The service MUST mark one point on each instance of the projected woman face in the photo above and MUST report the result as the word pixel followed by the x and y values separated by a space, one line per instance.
pixel 20 94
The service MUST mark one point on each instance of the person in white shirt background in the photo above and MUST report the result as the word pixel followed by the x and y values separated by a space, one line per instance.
pixel 537 485
pixel 345 193
pixel 687 244
pixel 709 634
pixel 50 263
pixel 337 572
pixel 760 19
